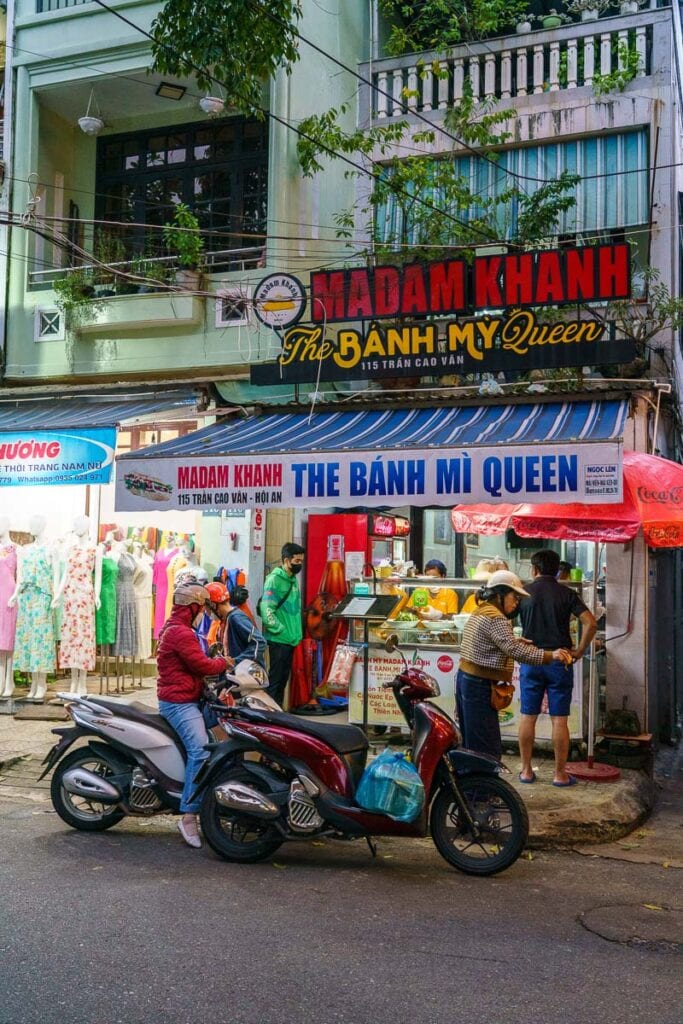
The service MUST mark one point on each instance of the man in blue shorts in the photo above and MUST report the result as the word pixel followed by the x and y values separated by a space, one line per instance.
pixel 545 617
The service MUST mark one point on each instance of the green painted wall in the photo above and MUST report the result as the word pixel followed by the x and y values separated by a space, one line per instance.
pixel 59 56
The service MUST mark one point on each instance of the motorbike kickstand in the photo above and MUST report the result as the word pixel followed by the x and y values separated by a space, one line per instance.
pixel 373 847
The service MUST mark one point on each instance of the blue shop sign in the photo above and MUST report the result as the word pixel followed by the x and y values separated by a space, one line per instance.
pixel 39 457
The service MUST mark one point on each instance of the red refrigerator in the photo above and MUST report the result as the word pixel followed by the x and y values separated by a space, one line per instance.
pixel 366 538
pixel 338 546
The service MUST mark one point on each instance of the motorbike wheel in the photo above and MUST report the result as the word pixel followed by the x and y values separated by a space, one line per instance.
pixel 78 811
pixel 498 811
pixel 234 836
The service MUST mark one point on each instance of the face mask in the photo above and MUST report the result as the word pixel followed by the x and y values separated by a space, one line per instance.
pixel 511 615
pixel 433 591
pixel 295 568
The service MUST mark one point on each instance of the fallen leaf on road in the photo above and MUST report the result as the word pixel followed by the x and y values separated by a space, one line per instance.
pixel 629 846
pixel 387 856
pixel 529 856
pixel 315 843
pixel 278 865
pixel 666 864
pixel 652 906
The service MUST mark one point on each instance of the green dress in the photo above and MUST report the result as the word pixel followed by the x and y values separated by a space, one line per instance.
pixel 105 617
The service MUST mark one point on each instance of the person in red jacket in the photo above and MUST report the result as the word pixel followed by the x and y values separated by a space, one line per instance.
pixel 182 666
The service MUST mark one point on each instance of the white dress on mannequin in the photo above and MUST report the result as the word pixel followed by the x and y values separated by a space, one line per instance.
pixel 142 583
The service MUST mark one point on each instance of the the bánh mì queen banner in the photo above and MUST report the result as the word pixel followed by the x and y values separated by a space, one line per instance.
pixel 560 473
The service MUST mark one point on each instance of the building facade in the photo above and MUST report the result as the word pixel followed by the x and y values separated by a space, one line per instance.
pixel 600 99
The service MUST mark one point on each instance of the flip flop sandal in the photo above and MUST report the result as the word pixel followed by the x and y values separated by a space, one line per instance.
pixel 563 785
pixel 528 782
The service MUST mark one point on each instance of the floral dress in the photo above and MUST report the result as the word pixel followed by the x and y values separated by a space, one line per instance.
pixel 34 644
pixel 77 647
pixel 8 582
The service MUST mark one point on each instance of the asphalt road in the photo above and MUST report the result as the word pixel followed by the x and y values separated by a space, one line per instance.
pixel 132 927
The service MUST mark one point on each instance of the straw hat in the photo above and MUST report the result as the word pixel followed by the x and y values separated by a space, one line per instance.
pixel 486 567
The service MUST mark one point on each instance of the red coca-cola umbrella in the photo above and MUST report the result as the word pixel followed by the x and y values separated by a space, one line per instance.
pixel 653 502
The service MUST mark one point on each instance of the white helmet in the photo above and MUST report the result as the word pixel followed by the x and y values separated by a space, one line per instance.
pixel 249 675
pixel 190 593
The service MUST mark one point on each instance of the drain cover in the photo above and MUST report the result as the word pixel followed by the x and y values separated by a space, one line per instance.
pixel 646 925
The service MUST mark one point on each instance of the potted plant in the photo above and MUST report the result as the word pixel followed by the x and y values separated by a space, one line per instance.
pixel 589 10
pixel 553 19
pixel 183 238
pixel 524 24
pixel 631 6
pixel 75 296
pixel 109 251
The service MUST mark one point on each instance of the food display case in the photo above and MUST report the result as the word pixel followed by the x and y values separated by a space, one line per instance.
pixel 435 648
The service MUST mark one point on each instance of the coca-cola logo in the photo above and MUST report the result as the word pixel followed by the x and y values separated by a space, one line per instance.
pixel 649 496
pixel 664 536
pixel 445 663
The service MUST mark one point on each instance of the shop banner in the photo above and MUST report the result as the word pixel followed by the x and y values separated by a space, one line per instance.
pixel 45 457
pixel 443 666
pixel 513 342
pixel 560 473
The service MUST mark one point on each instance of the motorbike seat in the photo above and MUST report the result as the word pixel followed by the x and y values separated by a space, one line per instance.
pixel 137 712
pixel 345 739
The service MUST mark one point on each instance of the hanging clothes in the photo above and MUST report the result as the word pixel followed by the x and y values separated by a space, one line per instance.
pixel 178 562
pixel 77 635
pixel 142 585
pixel 105 616
pixel 8 583
pixel 34 644
pixel 126 643
pixel 160 583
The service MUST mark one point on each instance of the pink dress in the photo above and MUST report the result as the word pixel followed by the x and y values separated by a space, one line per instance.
pixel 8 582
pixel 77 647
pixel 160 581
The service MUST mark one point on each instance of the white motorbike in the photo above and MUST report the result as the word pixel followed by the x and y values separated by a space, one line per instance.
pixel 131 761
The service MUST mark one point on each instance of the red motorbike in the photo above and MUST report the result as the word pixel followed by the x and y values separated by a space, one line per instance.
pixel 303 782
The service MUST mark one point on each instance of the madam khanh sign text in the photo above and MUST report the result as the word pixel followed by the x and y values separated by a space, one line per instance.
pixel 550 277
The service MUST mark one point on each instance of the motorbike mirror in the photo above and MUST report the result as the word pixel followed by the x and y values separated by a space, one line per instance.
pixel 391 643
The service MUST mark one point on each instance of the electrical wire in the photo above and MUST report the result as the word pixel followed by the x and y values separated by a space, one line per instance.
pixel 287 124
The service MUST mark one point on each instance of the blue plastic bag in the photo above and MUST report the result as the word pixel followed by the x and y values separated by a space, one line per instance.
pixel 392 785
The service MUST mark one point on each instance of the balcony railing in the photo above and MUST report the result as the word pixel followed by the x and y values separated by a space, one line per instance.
pixel 225 261
pixel 514 66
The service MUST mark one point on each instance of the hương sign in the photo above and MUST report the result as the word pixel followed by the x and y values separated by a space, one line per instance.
pixel 32 458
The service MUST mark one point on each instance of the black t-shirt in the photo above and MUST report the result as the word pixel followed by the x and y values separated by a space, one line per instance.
pixel 547 613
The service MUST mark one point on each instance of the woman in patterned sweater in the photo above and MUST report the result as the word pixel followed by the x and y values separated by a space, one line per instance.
pixel 487 652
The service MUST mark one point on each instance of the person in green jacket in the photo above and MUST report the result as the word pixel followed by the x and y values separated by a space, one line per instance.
pixel 281 616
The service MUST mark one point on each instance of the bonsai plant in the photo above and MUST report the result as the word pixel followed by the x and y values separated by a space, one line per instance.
pixel 553 19
pixel 183 238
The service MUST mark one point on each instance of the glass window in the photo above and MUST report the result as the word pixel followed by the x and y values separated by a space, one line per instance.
pixel 219 169
pixel 613 191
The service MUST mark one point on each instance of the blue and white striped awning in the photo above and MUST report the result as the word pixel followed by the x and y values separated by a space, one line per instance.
pixel 104 409
pixel 409 429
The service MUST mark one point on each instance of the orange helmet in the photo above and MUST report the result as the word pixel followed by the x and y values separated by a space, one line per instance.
pixel 218 593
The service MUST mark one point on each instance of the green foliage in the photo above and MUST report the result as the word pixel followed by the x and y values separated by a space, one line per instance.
pixel 232 41
pixel 642 321
pixel 440 24
pixel 74 296
pixel 436 204
pixel 183 238
pixel 630 64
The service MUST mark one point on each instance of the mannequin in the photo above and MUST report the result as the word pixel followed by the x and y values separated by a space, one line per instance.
pixel 37 581
pixel 126 642
pixel 142 582
pixel 179 562
pixel 81 599
pixel 105 619
pixel 8 615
